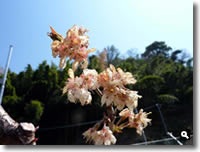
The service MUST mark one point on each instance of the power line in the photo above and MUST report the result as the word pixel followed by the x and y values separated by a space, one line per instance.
pixel 69 126
pixel 175 138
pixel 162 118
pixel 155 141
pixel 165 126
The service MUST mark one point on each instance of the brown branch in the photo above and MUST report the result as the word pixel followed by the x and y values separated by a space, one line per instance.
pixel 14 133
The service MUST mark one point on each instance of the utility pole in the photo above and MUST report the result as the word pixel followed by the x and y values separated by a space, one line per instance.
pixel 5 73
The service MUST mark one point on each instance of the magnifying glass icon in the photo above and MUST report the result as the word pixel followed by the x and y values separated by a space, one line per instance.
pixel 184 134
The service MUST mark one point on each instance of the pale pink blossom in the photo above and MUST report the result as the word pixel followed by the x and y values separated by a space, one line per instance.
pixel 102 137
pixel 140 121
pixel 126 77
pixel 114 92
pixel 73 46
pixel 113 77
pixel 120 97
pixel 90 78
pixel 75 90
pixel 54 46
pixel 89 135
pixel 126 113
pixel 62 62
pixel 79 94
pixel 77 87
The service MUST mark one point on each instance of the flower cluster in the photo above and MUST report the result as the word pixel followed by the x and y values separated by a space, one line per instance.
pixel 101 137
pixel 109 85
pixel 138 121
pixel 113 82
pixel 77 87
pixel 73 46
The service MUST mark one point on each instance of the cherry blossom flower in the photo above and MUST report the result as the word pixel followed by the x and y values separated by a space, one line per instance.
pixel 114 91
pixel 140 121
pixel 126 98
pixel 77 87
pixel 90 79
pixel 113 77
pixel 126 113
pixel 126 77
pixel 73 46
pixel 102 137
pixel 54 47
pixel 89 135
pixel 79 94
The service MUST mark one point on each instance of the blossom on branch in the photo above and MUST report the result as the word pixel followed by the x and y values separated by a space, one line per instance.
pixel 101 137
pixel 113 77
pixel 114 92
pixel 90 79
pixel 109 85
pixel 126 113
pixel 120 97
pixel 138 121
pixel 77 87
pixel 73 46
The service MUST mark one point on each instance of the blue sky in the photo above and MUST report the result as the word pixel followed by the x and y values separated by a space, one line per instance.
pixel 126 24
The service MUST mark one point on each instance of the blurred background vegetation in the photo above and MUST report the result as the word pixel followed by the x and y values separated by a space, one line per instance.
pixel 164 76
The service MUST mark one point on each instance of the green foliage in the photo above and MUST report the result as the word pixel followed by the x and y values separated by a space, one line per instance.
pixel 189 63
pixel 33 111
pixel 156 48
pixel 174 54
pixel 188 95
pixel 94 63
pixel 150 82
pixel 63 75
pixel 128 65
pixel 167 99
pixel 9 88
pixel 149 86
pixel 10 103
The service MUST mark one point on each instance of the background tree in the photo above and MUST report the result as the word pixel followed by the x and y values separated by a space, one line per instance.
pixel 156 48
pixel 34 110
pixel 112 55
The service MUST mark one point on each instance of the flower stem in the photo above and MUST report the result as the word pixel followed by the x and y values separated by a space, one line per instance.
pixel 119 121
pixel 98 92
pixel 125 124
